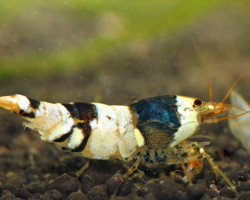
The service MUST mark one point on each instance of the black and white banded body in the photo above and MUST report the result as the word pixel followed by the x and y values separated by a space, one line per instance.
pixel 100 131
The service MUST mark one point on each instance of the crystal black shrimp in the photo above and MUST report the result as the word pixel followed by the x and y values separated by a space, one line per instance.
pixel 145 131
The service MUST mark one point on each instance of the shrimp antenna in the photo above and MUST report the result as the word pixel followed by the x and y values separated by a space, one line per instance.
pixel 215 120
pixel 234 106
pixel 205 71
pixel 230 89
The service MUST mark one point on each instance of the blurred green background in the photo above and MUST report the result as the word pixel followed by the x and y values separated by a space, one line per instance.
pixel 119 50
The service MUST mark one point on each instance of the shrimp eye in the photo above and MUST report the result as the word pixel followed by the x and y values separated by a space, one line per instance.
pixel 197 102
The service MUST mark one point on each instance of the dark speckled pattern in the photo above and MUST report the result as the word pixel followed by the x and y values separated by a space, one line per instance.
pixel 157 120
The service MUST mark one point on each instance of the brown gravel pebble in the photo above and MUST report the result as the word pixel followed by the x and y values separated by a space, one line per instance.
pixel 197 190
pixel 113 183
pixel 97 193
pixel 53 194
pixel 87 183
pixel 77 196
pixel 21 193
pixel 101 170
pixel 36 196
pixel 244 186
pixel 33 174
pixel 36 187
pixel 64 184
pixel 150 196
pixel 7 196
pixel 168 189
pixel 142 190
pixel 244 195
pixel 15 180
pixel 183 195
pixel 213 193
pixel 47 197
pixel 3 177
pixel 134 196
pixel 206 197
pixel 227 192
pixel 125 188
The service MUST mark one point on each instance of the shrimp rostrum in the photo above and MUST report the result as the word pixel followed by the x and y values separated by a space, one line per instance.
pixel 145 129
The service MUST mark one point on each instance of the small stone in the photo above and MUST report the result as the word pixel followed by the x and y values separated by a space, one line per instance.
pixel 33 174
pixel 77 196
pixel 244 195
pixel 125 188
pixel 197 190
pixel 21 192
pixel 36 187
pixel 206 197
pixel 150 196
pixel 113 183
pixel 64 184
pixel 87 183
pixel 46 197
pixel 73 161
pixel 168 189
pixel 142 190
pixel 134 197
pixel 183 195
pixel 100 171
pixel 213 193
pixel 227 192
pixel 15 180
pixel 3 177
pixel 36 196
pixel 8 196
pixel 152 187
pixel 97 193
pixel 244 186
pixel 54 194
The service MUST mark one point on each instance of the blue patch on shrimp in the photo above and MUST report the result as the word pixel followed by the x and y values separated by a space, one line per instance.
pixel 157 120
